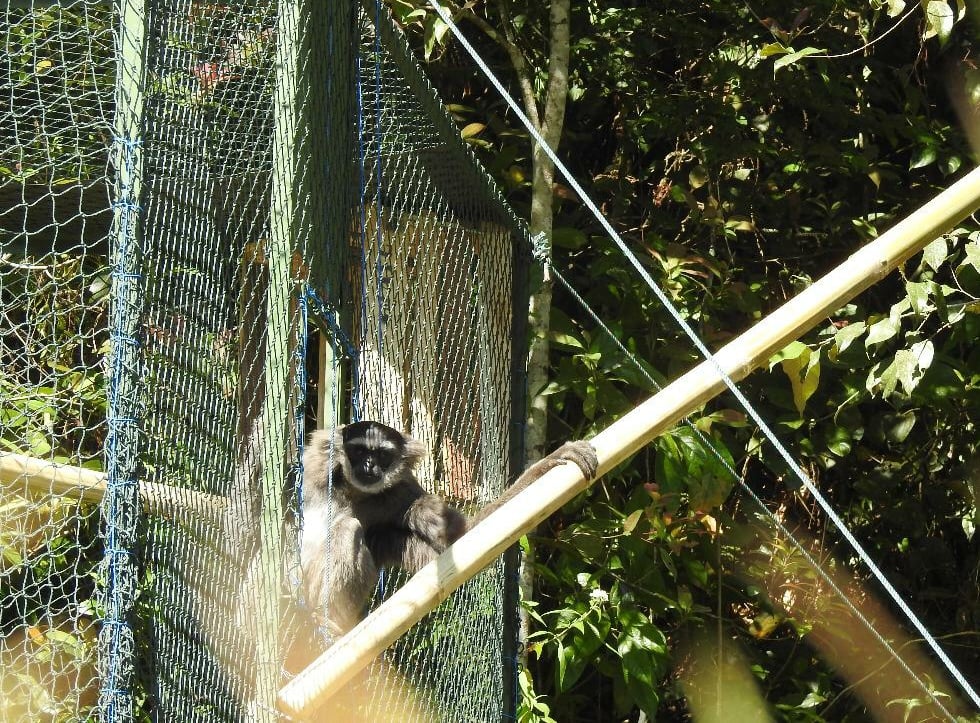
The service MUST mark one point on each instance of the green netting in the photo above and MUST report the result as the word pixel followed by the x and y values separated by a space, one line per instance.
pixel 180 184
pixel 56 88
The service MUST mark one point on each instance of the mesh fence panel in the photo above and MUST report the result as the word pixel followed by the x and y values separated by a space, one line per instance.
pixel 177 180
pixel 56 88
pixel 434 331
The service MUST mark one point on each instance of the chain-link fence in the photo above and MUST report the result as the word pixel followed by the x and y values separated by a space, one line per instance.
pixel 56 86
pixel 222 226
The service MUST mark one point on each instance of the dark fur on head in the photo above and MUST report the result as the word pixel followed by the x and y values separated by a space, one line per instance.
pixel 376 456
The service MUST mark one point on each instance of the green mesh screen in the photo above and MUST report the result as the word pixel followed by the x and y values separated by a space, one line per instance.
pixel 433 332
pixel 222 226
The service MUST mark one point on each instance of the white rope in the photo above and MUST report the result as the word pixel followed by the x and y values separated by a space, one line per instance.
pixel 750 410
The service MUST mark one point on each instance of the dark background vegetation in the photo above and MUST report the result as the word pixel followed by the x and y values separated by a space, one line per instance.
pixel 739 169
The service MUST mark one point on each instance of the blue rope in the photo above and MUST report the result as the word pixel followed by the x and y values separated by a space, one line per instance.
pixel 120 505
pixel 340 342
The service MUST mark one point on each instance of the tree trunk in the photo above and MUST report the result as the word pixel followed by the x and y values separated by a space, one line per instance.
pixel 541 221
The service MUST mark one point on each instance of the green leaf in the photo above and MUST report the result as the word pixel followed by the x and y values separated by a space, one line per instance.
pixel 435 30
pixel 568 237
pixel 881 331
pixel 794 56
pixel 951 165
pixel 588 635
pixel 900 430
pixel 924 352
pixel 642 650
pixel 812 700
pixel 11 555
pixel 934 255
pixel 772 49
pixel 697 177
pixel 892 374
pixel 839 441
pixel 793 350
pixel 63 638
pixel 923 156
pixel 918 293
pixel 404 11
pixel 629 524
pixel 895 8
pixel 562 655
pixel 972 249
pixel 804 376
pixel 940 19
pixel 566 340
pixel 685 464
pixel 908 368
pixel 847 334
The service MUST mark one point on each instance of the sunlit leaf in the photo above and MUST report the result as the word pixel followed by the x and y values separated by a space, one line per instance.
pixel 472 129
pixel 882 330
pixel 804 376
pixel 697 177
pixel 900 430
pixel 812 700
pixel 918 295
pixel 629 524
pixel 934 255
pixel 895 8
pixel 793 350
pixel 763 625
pixel 566 340
pixel 792 57
pixel 890 377
pixel 923 156
pixel 924 352
pixel 773 49
pixel 972 249
pixel 940 19
pixel 847 334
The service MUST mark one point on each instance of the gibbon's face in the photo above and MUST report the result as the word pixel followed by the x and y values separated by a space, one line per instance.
pixel 376 454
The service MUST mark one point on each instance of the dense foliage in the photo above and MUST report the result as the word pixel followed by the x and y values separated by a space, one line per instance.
pixel 742 150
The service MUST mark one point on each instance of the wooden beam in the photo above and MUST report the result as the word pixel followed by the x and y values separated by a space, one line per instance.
pixel 29 475
pixel 481 546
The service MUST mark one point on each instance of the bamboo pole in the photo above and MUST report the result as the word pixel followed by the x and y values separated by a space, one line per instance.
pixel 478 548
pixel 40 476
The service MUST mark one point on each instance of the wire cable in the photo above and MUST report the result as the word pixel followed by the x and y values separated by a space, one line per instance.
pixel 706 353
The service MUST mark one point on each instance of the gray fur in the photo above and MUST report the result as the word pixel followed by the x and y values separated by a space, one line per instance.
pixel 354 524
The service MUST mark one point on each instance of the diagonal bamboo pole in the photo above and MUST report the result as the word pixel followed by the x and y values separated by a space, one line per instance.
pixel 478 548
